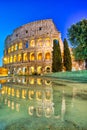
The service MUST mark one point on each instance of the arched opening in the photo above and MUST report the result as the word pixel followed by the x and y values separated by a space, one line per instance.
pixel 39 57
pixel 39 81
pixel 39 111
pixel 48 95
pixel 12 91
pixel 31 70
pixel 12 105
pixel 20 45
pixel 25 57
pixel 19 57
pixel 47 56
pixel 8 60
pixel 31 110
pixel 31 80
pixel 48 112
pixel 24 93
pixel 16 47
pixel 5 60
pixel 9 91
pixel 11 58
pixel 17 107
pixel 47 69
pixel 32 57
pixel 26 44
pixel 38 95
pixel 9 50
pixel 47 82
pixel 31 94
pixel 32 43
pixel 17 93
pixel 12 48
pixel 9 103
pixel 15 58
pixel 39 42
pixel 24 70
pixel 39 69
pixel 47 42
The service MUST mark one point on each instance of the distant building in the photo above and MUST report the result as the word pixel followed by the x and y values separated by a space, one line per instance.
pixel 3 71
pixel 76 64
pixel 29 49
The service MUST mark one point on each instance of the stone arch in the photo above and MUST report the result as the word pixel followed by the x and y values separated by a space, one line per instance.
pixel 47 82
pixel 20 45
pixel 48 112
pixel 31 80
pixel 39 81
pixel 39 56
pixel 39 42
pixel 31 110
pixel 24 93
pixel 31 94
pixel 39 111
pixel 15 58
pixel 24 70
pixel 47 69
pixel 47 56
pixel 32 70
pixel 32 56
pixel 11 59
pixel 9 91
pixel 18 93
pixel 25 57
pixel 47 41
pixel 16 46
pixel 32 43
pixel 19 58
pixel 48 95
pixel 38 95
pixel 39 69
pixel 26 44
pixel 12 91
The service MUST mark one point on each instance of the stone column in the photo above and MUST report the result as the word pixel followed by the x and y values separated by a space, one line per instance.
pixel 28 54
pixel 27 70
pixel 35 61
pixel 12 58
pixel 22 57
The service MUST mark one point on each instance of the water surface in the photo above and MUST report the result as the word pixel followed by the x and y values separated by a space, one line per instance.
pixel 29 103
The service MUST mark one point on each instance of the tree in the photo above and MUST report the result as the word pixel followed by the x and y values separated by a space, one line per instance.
pixel 57 59
pixel 67 57
pixel 77 35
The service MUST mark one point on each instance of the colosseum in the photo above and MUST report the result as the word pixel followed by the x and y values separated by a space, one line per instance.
pixel 28 49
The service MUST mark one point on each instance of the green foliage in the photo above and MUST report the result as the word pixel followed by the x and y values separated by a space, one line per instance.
pixel 77 35
pixel 67 57
pixel 57 59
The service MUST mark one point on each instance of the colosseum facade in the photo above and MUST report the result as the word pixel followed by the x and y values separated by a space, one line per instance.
pixel 28 49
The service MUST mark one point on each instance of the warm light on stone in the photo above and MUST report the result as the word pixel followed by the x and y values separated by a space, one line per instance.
pixel 31 50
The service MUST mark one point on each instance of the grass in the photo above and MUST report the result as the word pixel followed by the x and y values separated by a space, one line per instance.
pixel 80 76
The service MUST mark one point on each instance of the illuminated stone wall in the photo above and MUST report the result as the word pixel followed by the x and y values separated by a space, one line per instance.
pixel 28 49
pixel 3 71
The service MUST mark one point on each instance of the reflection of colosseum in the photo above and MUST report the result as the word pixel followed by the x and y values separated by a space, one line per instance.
pixel 29 48
pixel 38 97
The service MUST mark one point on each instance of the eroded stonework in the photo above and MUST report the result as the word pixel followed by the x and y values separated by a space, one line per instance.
pixel 28 49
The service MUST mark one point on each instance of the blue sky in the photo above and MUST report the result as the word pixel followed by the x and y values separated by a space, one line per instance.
pixel 18 12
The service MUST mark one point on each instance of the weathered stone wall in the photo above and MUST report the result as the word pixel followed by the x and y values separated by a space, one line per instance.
pixel 37 28
pixel 39 31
